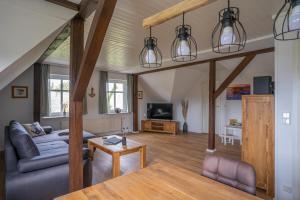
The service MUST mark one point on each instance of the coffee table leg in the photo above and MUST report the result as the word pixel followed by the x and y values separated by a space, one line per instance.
pixel 143 157
pixel 116 164
pixel 92 150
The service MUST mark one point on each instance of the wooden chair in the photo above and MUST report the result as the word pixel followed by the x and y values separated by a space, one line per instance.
pixel 227 137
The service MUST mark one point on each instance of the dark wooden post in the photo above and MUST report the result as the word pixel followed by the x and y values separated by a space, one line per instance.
pixel 212 108
pixel 135 103
pixel 76 107
pixel 37 72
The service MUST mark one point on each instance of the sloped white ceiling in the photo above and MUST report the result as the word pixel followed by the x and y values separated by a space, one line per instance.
pixel 185 80
pixel 20 65
pixel 159 85
pixel 125 35
pixel 25 25
pixel 172 85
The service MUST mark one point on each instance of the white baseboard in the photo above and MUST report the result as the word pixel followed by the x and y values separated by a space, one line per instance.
pixel 211 150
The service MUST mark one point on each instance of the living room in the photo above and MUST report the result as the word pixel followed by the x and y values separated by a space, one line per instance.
pixel 95 104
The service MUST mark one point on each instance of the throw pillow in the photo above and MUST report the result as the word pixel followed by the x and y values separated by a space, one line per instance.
pixel 34 129
pixel 22 141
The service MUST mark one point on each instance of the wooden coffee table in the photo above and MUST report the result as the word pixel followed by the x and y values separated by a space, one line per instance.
pixel 117 150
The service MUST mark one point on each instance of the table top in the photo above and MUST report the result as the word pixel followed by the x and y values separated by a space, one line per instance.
pixel 161 181
pixel 131 145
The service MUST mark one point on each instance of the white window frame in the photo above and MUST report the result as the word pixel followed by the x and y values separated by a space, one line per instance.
pixel 61 78
pixel 124 82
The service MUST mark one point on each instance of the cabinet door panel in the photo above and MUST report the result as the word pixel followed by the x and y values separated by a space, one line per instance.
pixel 257 119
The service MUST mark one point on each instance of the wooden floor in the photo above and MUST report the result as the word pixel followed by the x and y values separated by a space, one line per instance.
pixel 187 151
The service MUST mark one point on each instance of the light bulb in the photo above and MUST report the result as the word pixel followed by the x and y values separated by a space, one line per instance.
pixel 183 48
pixel 150 57
pixel 228 36
pixel 294 20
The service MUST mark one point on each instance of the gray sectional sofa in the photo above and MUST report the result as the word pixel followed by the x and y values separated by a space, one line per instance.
pixel 37 168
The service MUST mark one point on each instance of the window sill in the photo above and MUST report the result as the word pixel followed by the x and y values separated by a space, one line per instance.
pixel 55 117
pixel 122 113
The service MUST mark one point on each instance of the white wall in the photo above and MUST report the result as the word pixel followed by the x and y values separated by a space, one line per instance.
pixel 16 109
pixel 191 83
pixel 287 137
pixel 195 112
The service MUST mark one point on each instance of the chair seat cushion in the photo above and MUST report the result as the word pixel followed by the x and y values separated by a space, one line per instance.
pixel 61 135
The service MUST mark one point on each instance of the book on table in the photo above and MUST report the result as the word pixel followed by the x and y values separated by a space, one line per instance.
pixel 112 140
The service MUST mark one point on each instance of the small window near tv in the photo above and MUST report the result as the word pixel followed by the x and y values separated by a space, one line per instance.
pixel 117 95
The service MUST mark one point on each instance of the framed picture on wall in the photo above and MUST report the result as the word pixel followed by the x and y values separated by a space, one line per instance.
pixel 235 92
pixel 20 92
pixel 140 94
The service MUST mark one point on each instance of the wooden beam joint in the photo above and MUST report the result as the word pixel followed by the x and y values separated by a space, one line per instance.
pixel 234 74
pixel 94 43
pixel 256 52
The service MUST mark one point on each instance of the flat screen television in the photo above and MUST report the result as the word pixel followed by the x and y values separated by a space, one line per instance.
pixel 160 111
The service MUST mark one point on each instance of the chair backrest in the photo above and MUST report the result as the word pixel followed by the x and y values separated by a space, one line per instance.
pixel 237 174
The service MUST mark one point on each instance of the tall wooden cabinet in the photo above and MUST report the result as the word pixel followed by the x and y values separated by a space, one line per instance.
pixel 258 138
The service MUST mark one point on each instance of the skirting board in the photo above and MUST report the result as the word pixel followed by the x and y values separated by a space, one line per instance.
pixel 211 150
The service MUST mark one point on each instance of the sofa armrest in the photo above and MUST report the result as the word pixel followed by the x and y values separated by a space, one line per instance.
pixel 42 162
pixel 47 129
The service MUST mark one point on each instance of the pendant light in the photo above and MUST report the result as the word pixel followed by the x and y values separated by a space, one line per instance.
pixel 150 56
pixel 229 34
pixel 287 21
pixel 184 46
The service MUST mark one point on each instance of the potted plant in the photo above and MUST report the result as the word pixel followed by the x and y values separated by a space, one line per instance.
pixel 184 108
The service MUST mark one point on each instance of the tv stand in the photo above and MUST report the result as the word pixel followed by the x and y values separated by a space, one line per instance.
pixel 160 126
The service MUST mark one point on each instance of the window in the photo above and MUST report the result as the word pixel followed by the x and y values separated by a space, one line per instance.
pixel 58 94
pixel 116 95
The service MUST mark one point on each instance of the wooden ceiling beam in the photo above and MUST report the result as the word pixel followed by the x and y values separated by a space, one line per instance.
pixel 174 11
pixel 95 39
pixel 256 52
pixel 66 4
pixel 245 62
pixel 87 7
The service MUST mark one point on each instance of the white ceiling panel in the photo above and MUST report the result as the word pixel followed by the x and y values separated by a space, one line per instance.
pixel 125 35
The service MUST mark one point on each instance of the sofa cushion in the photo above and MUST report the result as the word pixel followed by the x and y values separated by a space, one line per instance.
pixel 51 154
pixel 34 129
pixel 42 162
pixel 53 147
pixel 22 141
pixel 61 135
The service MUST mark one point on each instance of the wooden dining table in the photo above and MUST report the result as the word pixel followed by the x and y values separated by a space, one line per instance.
pixel 160 181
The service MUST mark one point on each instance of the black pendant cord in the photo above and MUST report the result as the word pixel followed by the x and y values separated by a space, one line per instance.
pixel 150 31
pixel 183 19
pixel 228 4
